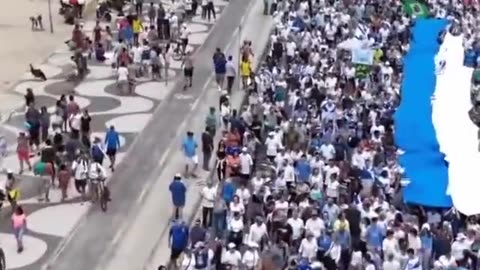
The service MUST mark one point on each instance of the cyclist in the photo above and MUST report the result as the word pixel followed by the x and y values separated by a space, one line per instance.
pixel 97 175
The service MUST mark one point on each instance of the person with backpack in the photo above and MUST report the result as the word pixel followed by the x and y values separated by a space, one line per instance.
pixel 202 256
pixel 80 173
pixel 220 67
pixel 98 154
pixel 97 176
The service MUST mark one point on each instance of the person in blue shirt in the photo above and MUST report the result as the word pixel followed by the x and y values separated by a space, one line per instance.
pixel 229 191
pixel 112 143
pixel 178 191
pixel 324 242
pixel 375 235
pixel 178 241
pixel 304 169
pixel 220 66
pixel 189 147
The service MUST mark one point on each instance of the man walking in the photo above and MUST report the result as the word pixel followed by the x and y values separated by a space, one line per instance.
pixel 178 241
pixel 211 10
pixel 231 72
pixel 178 190
pixel 207 147
pixel 220 66
pixel 189 147
pixel 209 194
pixel 112 143
pixel 211 122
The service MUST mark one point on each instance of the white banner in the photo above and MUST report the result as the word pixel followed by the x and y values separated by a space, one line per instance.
pixel 363 56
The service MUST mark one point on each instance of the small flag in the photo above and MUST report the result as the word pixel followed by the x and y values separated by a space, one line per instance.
pixel 416 8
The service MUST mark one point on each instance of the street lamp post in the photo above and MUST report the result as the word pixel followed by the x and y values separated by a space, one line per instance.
pixel 50 15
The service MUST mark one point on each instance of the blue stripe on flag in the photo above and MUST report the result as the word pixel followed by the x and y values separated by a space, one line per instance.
pixel 415 134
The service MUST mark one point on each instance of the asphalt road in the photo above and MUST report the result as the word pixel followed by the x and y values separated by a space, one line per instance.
pixel 93 239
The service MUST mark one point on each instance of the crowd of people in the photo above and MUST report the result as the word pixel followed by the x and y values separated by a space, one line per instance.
pixel 308 169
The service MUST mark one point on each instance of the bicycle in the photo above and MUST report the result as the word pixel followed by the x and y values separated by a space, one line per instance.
pixel 102 193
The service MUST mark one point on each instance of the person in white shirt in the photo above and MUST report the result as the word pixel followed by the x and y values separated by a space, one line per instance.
pixel 327 151
pixel 235 228
pixel 97 175
pixel 272 146
pixel 122 79
pixel 308 247
pixel 413 262
pixel 231 256
pixel 246 164
pixel 244 194
pixel 298 227
pixel 330 169
pixel 315 225
pixel 391 263
pixel 251 258
pixel 80 169
pixel 390 244
pixel 209 194
pixel 459 245
pixel 258 232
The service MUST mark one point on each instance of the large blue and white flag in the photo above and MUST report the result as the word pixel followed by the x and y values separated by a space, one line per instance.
pixel 433 127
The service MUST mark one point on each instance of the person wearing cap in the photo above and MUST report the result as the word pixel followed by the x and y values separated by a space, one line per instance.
pixel 459 246
pixel 272 145
pixel 209 195
pixel 427 245
pixel 308 247
pixel 251 258
pixel 178 191
pixel 231 256
pixel 246 165
pixel 189 147
pixel 202 256
pixel 178 241
pixel 207 147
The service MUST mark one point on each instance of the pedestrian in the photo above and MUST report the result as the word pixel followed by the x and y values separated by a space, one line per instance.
pixel 220 67
pixel 112 143
pixel 44 170
pixel 64 176
pixel 19 225
pixel 139 7
pixel 85 121
pixel 29 97
pixel 207 148
pixel 178 191
pixel 12 190
pixel 152 13
pixel 231 72
pixel 80 173
pixel 178 242
pixel 23 152
pixel 48 155
pixel 246 71
pixel 209 194
pixel 211 122
pixel 204 9
pixel 198 233
pixel 189 147
pixel 187 66
pixel 32 118
pixel 211 10
pixel 98 152
pixel 122 79
pixel 44 123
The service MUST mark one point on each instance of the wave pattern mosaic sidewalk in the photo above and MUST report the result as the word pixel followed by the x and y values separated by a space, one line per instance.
pixel 48 223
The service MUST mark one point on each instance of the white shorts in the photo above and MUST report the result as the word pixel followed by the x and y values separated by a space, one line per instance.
pixel 192 160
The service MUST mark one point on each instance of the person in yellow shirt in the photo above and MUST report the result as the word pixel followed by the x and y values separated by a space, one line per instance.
pixel 245 70
pixel 137 29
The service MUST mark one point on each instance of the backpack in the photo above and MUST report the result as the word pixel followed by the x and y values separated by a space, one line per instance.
pixel 97 152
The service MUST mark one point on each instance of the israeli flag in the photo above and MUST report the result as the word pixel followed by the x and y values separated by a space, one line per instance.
pixel 433 127
pixel 361 31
